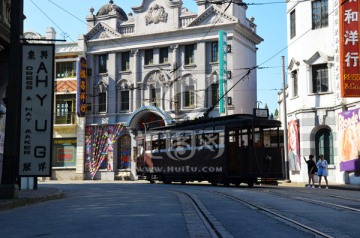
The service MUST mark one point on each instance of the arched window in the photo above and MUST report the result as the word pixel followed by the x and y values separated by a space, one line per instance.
pixel 124 152
pixel 324 144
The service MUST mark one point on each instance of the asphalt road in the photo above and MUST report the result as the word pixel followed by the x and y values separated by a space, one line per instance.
pixel 196 210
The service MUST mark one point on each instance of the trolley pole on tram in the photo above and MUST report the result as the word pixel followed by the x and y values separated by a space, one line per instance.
pixel 286 150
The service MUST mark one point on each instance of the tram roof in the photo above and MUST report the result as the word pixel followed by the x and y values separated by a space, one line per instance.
pixel 235 120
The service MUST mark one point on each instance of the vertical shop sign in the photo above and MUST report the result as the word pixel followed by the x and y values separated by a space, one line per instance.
pixel 222 69
pixel 81 69
pixel 36 129
pixel 349 48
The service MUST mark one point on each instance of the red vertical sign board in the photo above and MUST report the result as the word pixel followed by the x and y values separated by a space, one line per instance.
pixel 349 48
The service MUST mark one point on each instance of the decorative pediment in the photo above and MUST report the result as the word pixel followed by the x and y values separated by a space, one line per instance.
pixel 101 86
pixel 170 3
pixel 102 31
pixel 156 14
pixel 213 77
pixel 67 48
pixel 318 57
pixel 156 77
pixel 211 16
pixel 293 64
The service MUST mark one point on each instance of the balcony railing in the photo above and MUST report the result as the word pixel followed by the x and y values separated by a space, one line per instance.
pixel 65 118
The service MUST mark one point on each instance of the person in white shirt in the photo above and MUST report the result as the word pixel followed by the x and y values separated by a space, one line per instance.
pixel 322 166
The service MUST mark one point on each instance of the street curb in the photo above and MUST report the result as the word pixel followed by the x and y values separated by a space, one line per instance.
pixel 14 203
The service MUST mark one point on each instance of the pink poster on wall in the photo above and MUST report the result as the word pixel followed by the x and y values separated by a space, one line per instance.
pixel 349 140
pixel 294 145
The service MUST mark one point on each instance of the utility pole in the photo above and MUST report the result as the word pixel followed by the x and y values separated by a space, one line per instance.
pixel 9 187
pixel 286 151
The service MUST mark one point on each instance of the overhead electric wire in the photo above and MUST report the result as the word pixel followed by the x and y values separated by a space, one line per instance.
pixel 65 34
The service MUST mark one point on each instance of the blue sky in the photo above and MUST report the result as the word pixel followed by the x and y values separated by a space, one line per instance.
pixel 68 19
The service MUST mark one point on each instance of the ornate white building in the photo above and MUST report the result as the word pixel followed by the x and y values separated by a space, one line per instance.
pixel 315 101
pixel 157 66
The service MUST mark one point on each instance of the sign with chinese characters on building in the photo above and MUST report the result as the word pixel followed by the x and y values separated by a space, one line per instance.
pixel 349 48
pixel 81 70
pixel 36 129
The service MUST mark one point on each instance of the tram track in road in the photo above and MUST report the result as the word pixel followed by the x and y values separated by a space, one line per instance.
pixel 275 215
pixel 319 202
pixel 199 221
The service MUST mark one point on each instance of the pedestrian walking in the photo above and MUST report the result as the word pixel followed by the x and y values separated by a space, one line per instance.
pixel 312 169
pixel 322 166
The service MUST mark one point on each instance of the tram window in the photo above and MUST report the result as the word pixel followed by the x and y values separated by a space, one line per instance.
pixel 232 136
pixel 155 145
pixel 162 144
pixel 258 137
pixel 267 136
pixel 199 140
pixel 244 138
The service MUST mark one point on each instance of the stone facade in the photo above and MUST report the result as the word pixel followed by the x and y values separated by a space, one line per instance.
pixel 313 94
pixel 160 64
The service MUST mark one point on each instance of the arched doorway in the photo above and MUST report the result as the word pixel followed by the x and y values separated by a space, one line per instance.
pixel 148 121
pixel 325 144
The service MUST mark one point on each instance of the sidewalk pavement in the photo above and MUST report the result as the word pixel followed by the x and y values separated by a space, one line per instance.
pixel 26 197
pixel 331 186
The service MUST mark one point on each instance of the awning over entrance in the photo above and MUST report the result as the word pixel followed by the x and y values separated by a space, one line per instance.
pixel 149 116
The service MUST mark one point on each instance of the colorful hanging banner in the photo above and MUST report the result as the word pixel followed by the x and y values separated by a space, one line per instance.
pixel 99 147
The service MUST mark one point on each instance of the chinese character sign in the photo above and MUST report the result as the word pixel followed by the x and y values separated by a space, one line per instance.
pixel 36 129
pixel 81 70
pixel 222 69
pixel 349 48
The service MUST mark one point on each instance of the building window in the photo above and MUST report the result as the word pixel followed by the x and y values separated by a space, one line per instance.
pixel 155 95
pixel 102 102
pixel 102 64
pixel 149 57
pixel 164 55
pixel 65 109
pixel 292 25
pixel 319 14
pixel 214 94
pixel 214 51
pixel 125 61
pixel 66 69
pixel 320 79
pixel 294 77
pixel 64 152
pixel 189 54
pixel 189 96
pixel 125 100
pixel 325 145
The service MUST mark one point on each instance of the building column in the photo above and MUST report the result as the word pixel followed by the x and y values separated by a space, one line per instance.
pixel 136 100
pixel 176 97
pixel 112 77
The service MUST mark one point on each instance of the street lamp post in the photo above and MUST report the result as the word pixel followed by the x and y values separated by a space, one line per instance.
pixel 286 169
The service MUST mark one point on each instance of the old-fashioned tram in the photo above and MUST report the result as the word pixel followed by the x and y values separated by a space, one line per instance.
pixel 224 150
